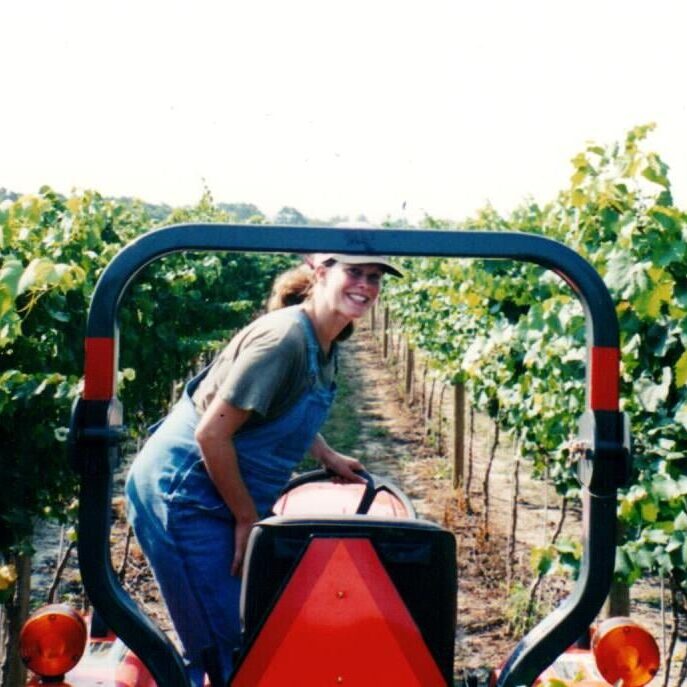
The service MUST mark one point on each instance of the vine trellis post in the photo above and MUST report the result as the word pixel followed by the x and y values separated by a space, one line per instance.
pixel 409 382
pixel 458 434
pixel 385 333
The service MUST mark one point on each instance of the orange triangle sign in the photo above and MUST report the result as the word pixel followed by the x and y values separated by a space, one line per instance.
pixel 340 621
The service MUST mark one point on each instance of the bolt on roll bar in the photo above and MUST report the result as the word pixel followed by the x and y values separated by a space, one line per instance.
pixel 97 428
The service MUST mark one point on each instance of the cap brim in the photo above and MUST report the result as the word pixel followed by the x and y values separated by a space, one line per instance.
pixel 347 259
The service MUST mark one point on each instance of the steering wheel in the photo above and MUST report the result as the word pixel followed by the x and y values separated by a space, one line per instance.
pixel 373 485
pixel 368 495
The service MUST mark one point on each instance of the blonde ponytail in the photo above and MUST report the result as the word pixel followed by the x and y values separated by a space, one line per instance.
pixel 291 287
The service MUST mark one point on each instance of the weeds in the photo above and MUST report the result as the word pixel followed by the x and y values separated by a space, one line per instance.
pixel 342 429
pixel 520 614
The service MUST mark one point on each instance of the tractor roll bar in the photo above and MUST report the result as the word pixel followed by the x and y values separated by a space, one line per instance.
pixel 553 255
pixel 97 430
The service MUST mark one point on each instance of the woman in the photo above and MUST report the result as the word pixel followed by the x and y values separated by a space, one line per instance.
pixel 218 462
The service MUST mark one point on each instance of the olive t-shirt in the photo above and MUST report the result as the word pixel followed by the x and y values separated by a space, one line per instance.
pixel 264 368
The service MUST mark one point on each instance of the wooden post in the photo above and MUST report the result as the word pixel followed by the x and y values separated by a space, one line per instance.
pixel 385 334
pixel 440 420
pixel 410 368
pixel 618 600
pixel 373 317
pixel 423 397
pixel 429 407
pixel 12 669
pixel 458 434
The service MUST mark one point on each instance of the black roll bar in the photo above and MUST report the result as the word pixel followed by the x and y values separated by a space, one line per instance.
pixel 553 255
pixel 97 419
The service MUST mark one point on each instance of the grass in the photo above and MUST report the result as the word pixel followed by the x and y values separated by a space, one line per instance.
pixel 516 607
pixel 343 427
pixel 443 469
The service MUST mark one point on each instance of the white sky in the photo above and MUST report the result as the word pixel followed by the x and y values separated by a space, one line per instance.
pixel 334 107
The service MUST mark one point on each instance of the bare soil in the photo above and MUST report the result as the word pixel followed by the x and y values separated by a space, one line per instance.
pixel 397 442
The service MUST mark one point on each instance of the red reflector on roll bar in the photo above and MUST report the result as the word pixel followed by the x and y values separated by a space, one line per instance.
pixel 99 369
pixel 604 378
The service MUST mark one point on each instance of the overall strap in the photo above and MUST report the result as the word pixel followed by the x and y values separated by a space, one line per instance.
pixel 194 382
pixel 312 343
pixel 189 390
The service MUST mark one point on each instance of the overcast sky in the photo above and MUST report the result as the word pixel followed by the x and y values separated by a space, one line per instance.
pixel 334 107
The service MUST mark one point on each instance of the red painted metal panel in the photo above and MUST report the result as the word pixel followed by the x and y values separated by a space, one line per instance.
pixel 106 663
pixel 341 621
pixel 132 673
pixel 605 378
pixel 99 369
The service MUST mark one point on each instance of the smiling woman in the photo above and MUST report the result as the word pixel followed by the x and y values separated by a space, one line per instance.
pixel 359 277
pixel 219 460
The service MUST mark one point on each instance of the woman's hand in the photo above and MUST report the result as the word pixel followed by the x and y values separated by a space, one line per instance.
pixel 341 465
pixel 214 435
pixel 344 467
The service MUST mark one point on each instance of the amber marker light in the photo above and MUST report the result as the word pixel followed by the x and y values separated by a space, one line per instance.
pixel 53 640
pixel 626 652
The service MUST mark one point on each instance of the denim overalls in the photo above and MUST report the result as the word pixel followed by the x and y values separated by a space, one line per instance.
pixel 186 530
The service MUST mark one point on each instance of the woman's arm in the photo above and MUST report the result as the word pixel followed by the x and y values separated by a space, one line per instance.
pixel 214 433
pixel 340 464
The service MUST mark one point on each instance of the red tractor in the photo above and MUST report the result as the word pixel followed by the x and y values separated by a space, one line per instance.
pixel 344 584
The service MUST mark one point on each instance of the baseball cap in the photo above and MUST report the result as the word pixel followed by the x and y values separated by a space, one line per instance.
pixel 383 262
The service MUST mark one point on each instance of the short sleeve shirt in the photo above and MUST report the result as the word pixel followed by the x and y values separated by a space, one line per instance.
pixel 264 368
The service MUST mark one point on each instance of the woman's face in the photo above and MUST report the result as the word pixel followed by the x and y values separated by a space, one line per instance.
pixel 350 290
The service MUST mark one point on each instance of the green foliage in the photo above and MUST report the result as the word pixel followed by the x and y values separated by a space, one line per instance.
pixel 8 577
pixel 245 213
pixel 52 251
pixel 563 557
pixel 519 612
pixel 516 335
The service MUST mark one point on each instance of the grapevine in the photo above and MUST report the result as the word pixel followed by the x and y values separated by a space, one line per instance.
pixel 515 336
